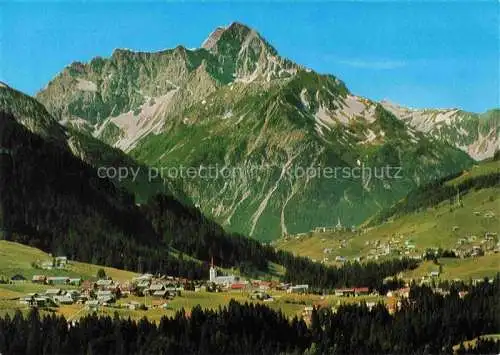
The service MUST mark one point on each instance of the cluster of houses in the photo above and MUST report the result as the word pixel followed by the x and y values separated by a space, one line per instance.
pixel 403 246
pixel 353 291
pixel 47 280
pixel 52 297
pixel 472 246
pixel 339 227
pixel 101 292
pixel 56 280
pixel 396 245
pixel 393 299
pixel 378 249
pixel 58 262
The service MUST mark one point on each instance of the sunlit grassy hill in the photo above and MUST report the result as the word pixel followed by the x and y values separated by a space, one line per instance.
pixel 17 258
pixel 442 225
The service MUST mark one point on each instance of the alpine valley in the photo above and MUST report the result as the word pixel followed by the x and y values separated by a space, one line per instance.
pixel 235 103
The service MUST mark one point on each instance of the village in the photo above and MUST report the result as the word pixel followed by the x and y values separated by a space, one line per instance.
pixel 342 245
pixel 157 289
pixel 161 293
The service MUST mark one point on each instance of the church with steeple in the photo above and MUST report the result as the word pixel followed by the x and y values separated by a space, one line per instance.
pixel 212 272
pixel 220 280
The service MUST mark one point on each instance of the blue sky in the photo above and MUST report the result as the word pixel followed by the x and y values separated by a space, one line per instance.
pixel 420 54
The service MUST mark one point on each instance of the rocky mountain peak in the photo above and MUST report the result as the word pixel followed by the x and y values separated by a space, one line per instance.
pixel 235 30
pixel 212 39
pixel 234 39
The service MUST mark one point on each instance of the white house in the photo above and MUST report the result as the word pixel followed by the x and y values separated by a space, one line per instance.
pixel 298 289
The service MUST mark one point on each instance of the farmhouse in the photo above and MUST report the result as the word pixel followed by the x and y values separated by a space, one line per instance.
pixel 47 265
pixel 74 294
pixel 361 291
pixel 41 302
pixel 60 261
pixel 63 299
pixel 39 279
pixel 82 299
pixel 51 292
pixel 126 288
pixel 34 300
pixel 92 304
pixel 343 292
pixel 259 295
pixel 103 284
pixel 17 279
pixel 57 280
pixel 143 277
pixel 75 281
pixel 238 286
pixel 105 296
pixel 160 294
pixel 87 285
pixel 133 305
pixel 200 288
pixel 298 289
pixel 262 285
pixel 155 287
pixel 28 298
pixel 477 251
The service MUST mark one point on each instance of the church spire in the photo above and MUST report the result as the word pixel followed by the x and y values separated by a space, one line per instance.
pixel 212 276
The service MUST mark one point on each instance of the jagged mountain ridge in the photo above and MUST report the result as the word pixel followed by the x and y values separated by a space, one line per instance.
pixel 122 109
pixel 125 97
pixel 476 134
pixel 236 103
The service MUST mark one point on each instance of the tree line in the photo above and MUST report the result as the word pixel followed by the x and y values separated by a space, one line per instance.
pixel 426 323
pixel 351 274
